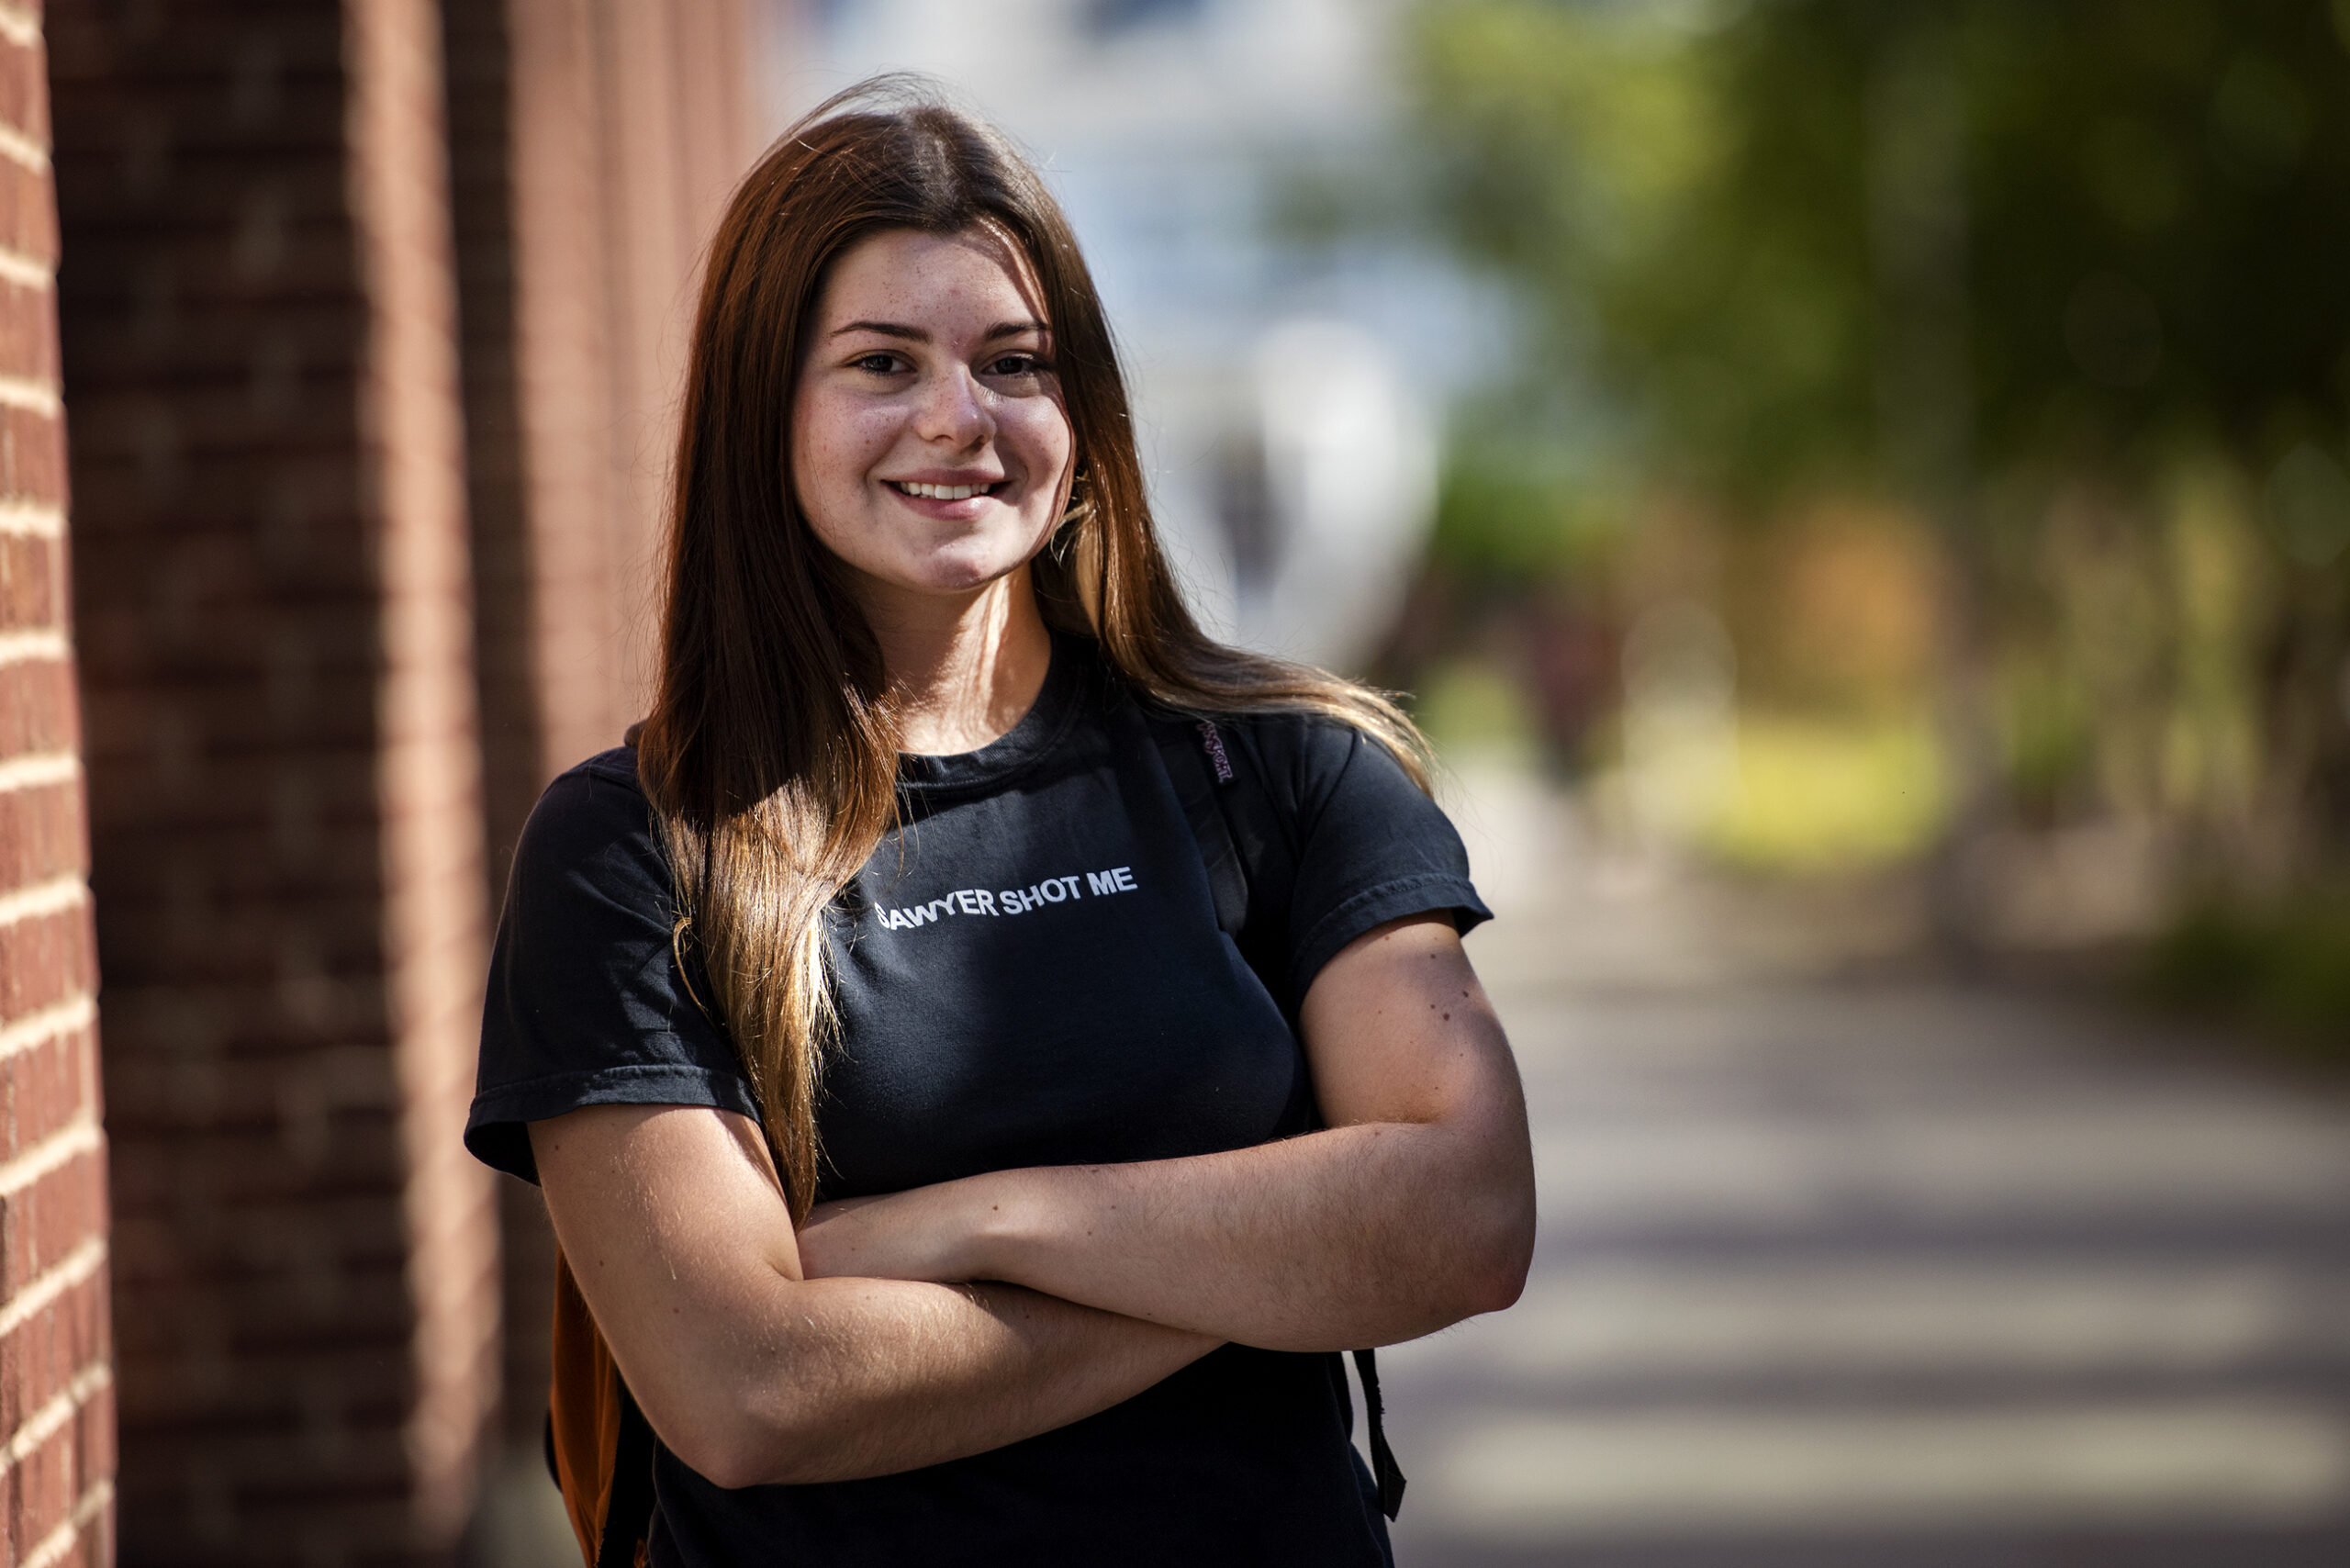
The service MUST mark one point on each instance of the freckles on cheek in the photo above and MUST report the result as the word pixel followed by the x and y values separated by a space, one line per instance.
pixel 831 464
pixel 848 448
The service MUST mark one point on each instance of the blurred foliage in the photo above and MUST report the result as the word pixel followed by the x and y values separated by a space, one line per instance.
pixel 1832 607
pixel 2143 516
pixel 1499 518
pixel 2157 220
pixel 1814 795
pixel 1470 705
pixel 2288 965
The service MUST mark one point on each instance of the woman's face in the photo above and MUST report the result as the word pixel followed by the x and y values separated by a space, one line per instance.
pixel 930 449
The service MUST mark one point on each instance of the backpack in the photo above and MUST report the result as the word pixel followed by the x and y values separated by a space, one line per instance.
pixel 598 1444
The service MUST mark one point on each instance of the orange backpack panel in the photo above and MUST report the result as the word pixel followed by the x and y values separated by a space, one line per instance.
pixel 592 1423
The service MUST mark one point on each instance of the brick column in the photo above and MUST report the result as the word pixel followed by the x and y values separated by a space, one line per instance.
pixel 675 123
pixel 591 144
pixel 428 773
pixel 273 581
pixel 56 1379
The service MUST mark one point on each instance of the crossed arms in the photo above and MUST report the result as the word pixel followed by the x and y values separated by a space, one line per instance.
pixel 890 1333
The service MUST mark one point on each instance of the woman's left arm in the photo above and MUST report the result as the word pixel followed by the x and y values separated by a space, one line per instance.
pixel 1414 1210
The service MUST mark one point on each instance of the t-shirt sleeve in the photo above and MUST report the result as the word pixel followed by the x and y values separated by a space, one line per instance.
pixel 587 1005
pixel 1371 847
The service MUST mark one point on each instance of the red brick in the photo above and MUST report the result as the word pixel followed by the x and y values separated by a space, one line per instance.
pixel 40 1224
pixel 44 960
pixel 42 1355
pixel 32 583
pixel 98 1451
pixel 42 833
pixel 43 1087
pixel 43 1487
pixel 32 457
pixel 38 711
pixel 28 212
pixel 27 333
pixel 24 90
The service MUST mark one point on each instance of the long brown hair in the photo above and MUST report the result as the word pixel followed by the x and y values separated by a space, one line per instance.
pixel 770 755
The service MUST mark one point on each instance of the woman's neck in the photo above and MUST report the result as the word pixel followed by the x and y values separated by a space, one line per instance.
pixel 962 673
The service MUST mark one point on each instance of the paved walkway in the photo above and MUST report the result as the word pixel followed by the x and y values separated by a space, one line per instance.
pixel 1838 1273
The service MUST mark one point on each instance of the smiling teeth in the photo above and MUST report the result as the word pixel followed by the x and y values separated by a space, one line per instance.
pixel 945 492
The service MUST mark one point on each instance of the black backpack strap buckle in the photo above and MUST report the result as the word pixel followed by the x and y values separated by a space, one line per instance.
pixel 1383 1468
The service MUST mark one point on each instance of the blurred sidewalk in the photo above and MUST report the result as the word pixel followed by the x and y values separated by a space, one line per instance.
pixel 1872 1271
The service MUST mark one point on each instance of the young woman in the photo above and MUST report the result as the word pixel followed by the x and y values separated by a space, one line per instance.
pixel 948 1186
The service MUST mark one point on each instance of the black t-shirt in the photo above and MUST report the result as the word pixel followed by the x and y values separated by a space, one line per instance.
pixel 1028 972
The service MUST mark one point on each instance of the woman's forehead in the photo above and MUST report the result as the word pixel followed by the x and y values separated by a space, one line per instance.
pixel 907 269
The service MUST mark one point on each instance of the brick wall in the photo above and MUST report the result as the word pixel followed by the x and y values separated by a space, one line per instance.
pixel 271 580
pixel 676 123
pixel 56 1377
pixel 427 758
pixel 591 142
pixel 319 668
pixel 527 206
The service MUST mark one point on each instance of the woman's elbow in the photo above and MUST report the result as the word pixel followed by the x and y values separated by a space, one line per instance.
pixel 732 1445
pixel 724 1452
pixel 729 1465
pixel 763 1458
pixel 1490 1272
pixel 1496 1286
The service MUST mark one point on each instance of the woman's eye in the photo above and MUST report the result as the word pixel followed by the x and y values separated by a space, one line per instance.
pixel 877 364
pixel 1016 365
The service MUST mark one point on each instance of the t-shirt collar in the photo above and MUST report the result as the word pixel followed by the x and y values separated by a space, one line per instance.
pixel 1017 748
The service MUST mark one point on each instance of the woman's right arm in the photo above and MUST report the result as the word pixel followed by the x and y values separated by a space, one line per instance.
pixel 676 1228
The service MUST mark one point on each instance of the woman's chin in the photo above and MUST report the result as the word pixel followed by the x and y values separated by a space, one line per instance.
pixel 945 578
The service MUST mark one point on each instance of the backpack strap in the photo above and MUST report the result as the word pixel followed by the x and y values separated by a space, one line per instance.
pixel 1237 842
pixel 1383 1468
pixel 628 1512
pixel 1200 769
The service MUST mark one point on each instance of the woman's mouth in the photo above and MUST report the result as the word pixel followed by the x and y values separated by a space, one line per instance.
pixel 942 492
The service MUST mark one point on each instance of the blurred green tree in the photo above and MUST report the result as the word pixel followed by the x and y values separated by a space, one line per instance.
pixel 2153 229
pixel 1976 255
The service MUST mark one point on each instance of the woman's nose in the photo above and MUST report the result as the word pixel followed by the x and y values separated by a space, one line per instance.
pixel 954 410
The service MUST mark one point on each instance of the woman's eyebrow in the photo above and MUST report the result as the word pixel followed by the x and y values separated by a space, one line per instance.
pixel 886 329
pixel 917 335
